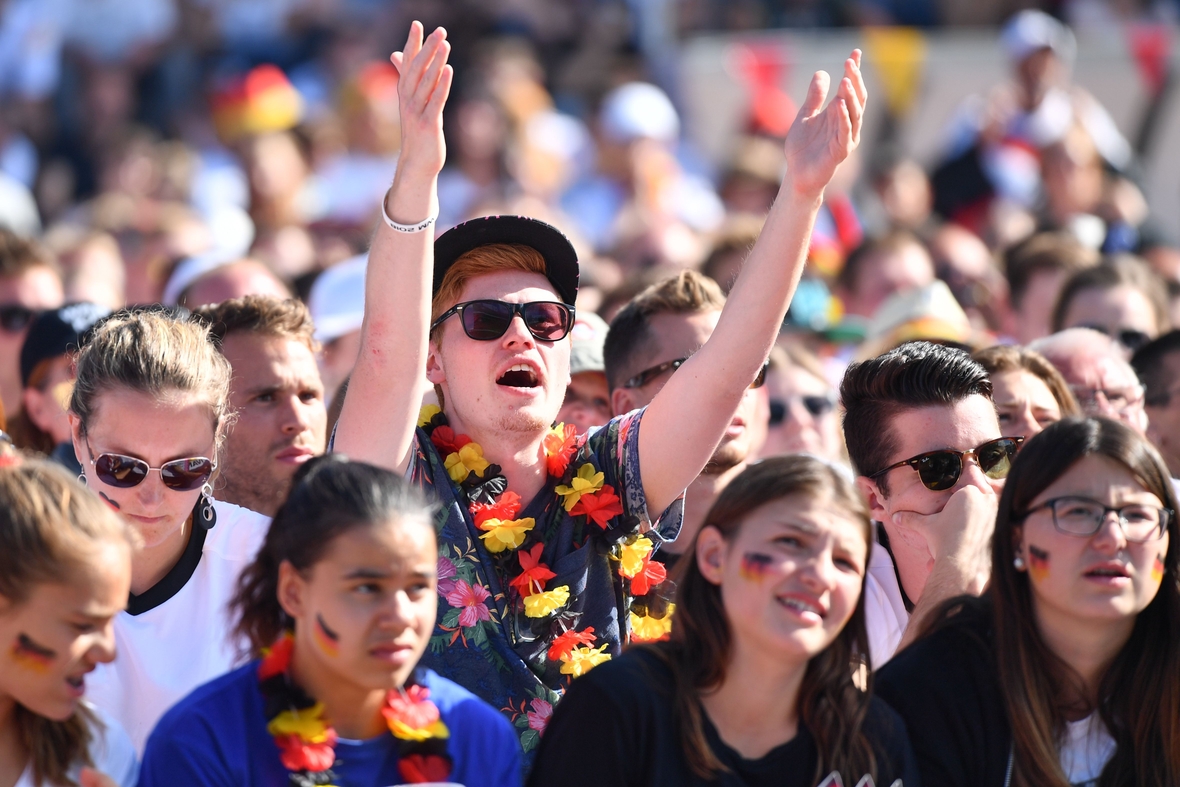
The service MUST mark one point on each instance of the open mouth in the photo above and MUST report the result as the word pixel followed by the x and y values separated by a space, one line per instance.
pixel 801 606
pixel 519 376
pixel 1106 572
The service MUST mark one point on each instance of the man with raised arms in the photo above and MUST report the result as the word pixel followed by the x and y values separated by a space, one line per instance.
pixel 545 537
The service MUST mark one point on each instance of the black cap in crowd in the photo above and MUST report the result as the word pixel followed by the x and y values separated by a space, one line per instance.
pixel 58 332
pixel 561 261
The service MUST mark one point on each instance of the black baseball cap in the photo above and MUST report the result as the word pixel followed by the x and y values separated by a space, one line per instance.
pixel 58 332
pixel 561 261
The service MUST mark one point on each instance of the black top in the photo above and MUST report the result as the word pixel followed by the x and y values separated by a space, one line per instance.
pixel 616 726
pixel 946 687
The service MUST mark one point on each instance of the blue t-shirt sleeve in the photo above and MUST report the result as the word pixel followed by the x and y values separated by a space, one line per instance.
pixel 485 748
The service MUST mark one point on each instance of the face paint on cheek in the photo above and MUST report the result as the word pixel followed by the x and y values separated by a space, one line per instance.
pixel 328 640
pixel 1038 563
pixel 1157 569
pixel 109 502
pixel 755 565
pixel 30 655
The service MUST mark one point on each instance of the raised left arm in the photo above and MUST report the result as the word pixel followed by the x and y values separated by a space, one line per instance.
pixel 686 420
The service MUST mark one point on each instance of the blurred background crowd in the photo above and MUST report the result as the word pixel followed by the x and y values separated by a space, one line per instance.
pixel 188 151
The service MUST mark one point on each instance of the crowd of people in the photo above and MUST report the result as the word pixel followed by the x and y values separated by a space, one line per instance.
pixel 528 470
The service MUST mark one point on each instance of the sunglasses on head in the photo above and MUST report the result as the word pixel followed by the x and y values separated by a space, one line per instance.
pixel 817 406
pixel 15 318
pixel 939 470
pixel 488 320
pixel 647 375
pixel 124 472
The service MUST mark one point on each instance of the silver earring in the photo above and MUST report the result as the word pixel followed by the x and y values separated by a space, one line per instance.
pixel 82 479
pixel 1018 563
pixel 207 494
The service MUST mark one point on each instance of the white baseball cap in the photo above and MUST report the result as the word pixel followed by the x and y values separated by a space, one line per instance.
pixel 337 299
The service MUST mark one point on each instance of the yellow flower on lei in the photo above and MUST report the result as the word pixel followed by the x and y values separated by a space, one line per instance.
pixel 632 556
pixel 407 733
pixel 586 482
pixel 505 533
pixel 469 459
pixel 427 412
pixel 538 605
pixel 645 628
pixel 308 724
pixel 579 661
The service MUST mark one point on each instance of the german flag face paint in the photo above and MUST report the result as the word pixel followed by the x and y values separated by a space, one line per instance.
pixel 1157 569
pixel 1038 563
pixel 32 656
pixel 328 640
pixel 755 565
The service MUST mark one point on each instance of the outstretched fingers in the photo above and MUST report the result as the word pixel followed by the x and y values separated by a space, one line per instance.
pixel 817 93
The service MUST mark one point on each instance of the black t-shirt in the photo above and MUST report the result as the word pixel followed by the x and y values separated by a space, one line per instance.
pixel 946 688
pixel 616 726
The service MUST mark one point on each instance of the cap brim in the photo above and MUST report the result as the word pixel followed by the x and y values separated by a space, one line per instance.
pixel 561 261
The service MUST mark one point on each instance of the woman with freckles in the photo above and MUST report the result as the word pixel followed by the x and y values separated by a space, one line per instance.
pixel 1064 674
pixel 65 566
pixel 758 684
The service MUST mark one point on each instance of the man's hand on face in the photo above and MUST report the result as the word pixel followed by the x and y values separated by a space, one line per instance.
pixel 958 538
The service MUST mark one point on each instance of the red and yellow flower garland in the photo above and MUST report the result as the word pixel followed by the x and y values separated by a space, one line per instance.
pixel 307 742
pixel 583 493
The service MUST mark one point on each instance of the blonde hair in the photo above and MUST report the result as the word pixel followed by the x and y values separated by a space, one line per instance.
pixel 492 258
pixel 49 526
pixel 155 354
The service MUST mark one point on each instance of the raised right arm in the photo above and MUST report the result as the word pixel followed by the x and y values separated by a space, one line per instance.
pixel 381 408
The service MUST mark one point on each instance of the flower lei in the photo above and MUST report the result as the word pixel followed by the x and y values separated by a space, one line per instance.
pixel 307 742
pixel 494 509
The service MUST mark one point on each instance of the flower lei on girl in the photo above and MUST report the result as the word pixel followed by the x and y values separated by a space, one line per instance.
pixel 307 741
pixel 516 545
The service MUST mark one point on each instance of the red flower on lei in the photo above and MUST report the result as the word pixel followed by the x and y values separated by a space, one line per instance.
pixel 564 644
pixel 652 574
pixel 446 441
pixel 599 507
pixel 560 444
pixel 299 755
pixel 532 571
pixel 506 507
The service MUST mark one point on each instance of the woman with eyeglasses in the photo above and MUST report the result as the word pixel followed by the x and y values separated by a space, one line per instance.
pixel 1028 391
pixel 65 565
pixel 803 407
pixel 148 415
pixel 762 681
pixel 1065 671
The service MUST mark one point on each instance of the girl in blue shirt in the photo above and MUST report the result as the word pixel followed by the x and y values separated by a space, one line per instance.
pixel 339 605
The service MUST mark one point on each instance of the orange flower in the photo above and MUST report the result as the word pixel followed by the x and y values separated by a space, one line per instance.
pixel 600 507
pixel 506 507
pixel 560 444
pixel 533 571
pixel 278 658
pixel 649 576
pixel 564 644
pixel 298 755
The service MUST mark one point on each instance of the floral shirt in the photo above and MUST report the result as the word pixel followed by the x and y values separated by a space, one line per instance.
pixel 534 595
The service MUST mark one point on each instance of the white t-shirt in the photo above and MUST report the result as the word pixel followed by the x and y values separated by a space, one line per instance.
pixel 110 751
pixel 1086 750
pixel 183 641
pixel 885 613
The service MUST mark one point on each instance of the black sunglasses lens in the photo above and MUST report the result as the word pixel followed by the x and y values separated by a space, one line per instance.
pixel 995 458
pixel 778 411
pixel 15 318
pixel 547 321
pixel 1133 340
pixel 818 405
pixel 185 475
pixel 940 470
pixel 486 320
pixel 760 380
pixel 119 471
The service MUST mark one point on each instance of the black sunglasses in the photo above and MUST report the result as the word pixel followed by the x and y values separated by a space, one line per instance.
pixel 15 318
pixel 647 375
pixel 488 320
pixel 1127 337
pixel 940 470
pixel 817 406
pixel 124 472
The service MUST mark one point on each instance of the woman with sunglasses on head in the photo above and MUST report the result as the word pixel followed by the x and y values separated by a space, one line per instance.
pixel 1028 391
pixel 65 566
pixel 148 415
pixel 803 407
pixel 338 607
pixel 1065 671
pixel 758 684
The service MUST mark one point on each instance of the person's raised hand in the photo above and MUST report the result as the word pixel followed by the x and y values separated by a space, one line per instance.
pixel 959 534
pixel 821 138
pixel 424 82
pixel 92 778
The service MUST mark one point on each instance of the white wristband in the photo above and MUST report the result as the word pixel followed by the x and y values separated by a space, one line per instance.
pixel 408 228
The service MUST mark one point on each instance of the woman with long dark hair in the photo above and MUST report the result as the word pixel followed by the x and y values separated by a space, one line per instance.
pixel 758 684
pixel 1066 671
pixel 338 607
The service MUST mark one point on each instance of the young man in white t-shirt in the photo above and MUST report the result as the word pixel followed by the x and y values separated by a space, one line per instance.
pixel 922 433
